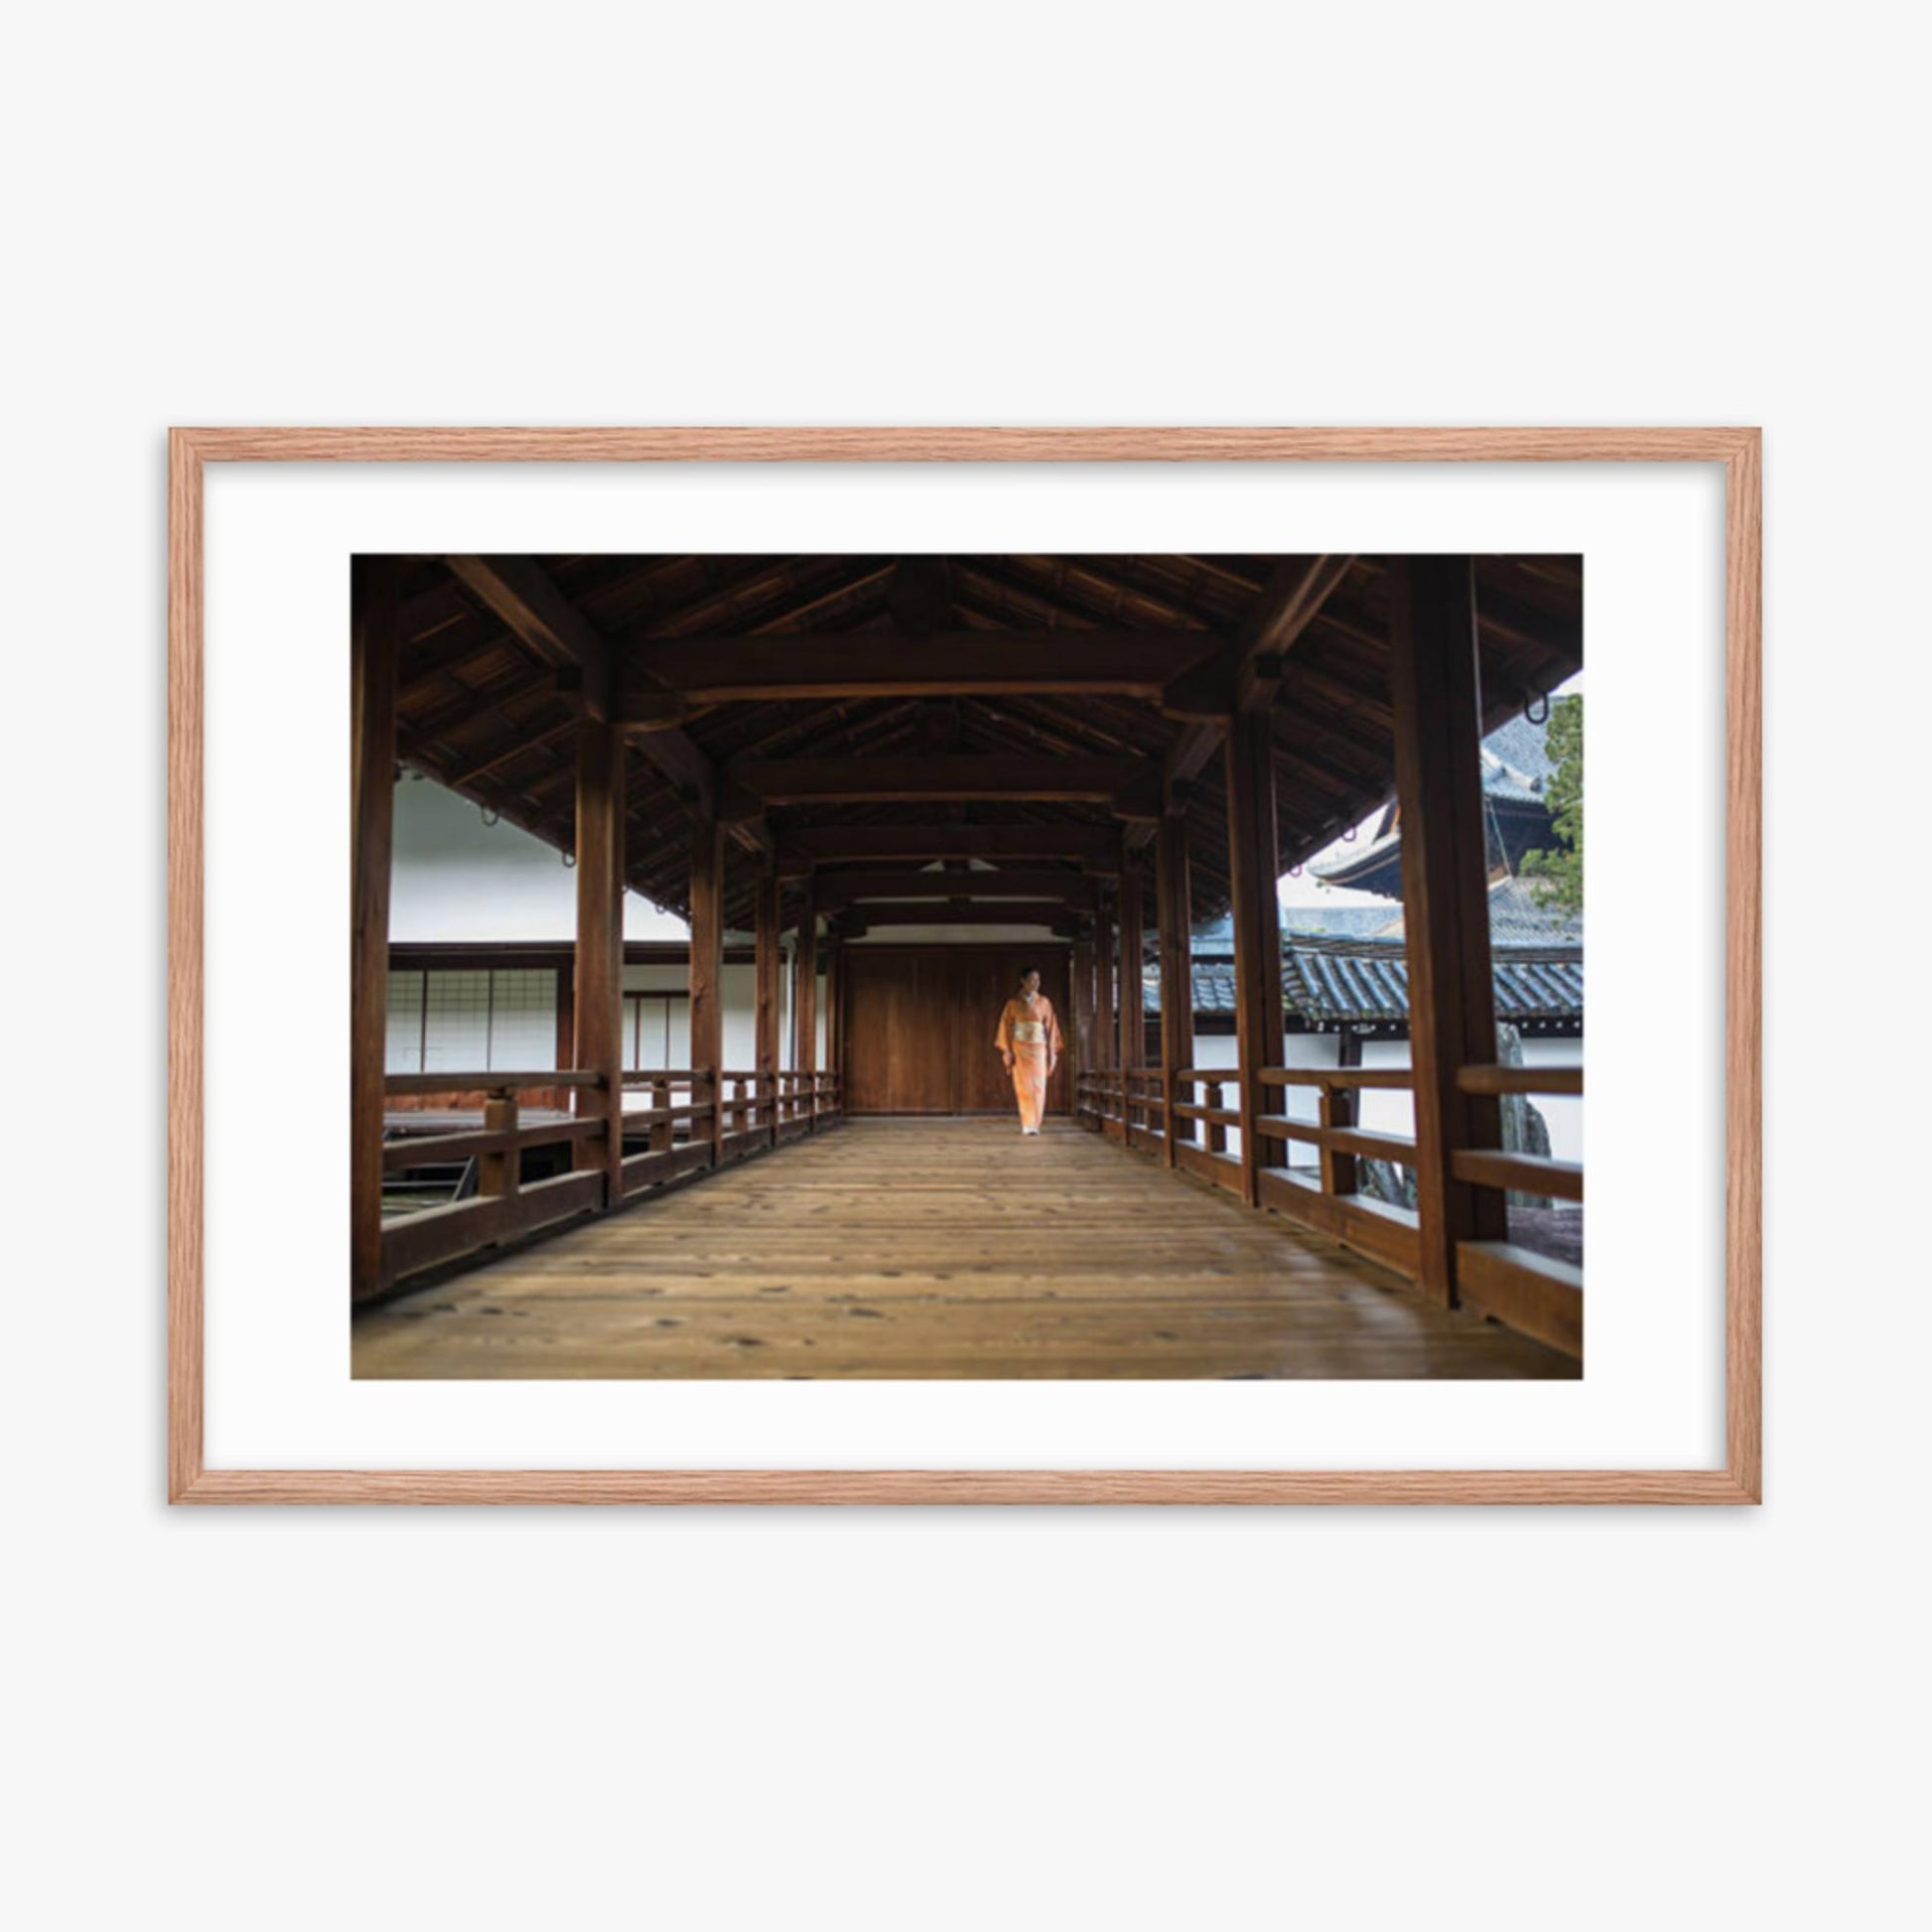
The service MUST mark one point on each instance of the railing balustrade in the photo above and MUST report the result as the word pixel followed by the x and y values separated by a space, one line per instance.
pixel 1529 1291
pixel 693 1120
pixel 1532 1292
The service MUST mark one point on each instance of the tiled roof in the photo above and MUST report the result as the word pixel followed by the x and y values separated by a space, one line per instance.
pixel 1216 936
pixel 1366 982
pixel 1516 759
pixel 1516 770
pixel 1515 919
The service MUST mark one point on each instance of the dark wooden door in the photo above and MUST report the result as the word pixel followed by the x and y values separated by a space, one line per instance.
pixel 918 1027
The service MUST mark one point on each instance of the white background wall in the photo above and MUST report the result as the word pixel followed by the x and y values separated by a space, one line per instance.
pixel 587 1719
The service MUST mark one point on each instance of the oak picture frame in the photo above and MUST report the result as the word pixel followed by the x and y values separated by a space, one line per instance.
pixel 1737 450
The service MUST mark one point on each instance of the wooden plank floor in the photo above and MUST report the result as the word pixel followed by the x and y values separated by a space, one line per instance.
pixel 918 1248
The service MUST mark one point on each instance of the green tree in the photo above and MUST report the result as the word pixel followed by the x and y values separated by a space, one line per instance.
pixel 1558 873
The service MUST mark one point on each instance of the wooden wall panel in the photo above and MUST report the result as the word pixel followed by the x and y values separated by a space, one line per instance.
pixel 918 1027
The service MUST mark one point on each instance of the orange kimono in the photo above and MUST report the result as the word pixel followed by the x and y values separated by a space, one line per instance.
pixel 1030 1037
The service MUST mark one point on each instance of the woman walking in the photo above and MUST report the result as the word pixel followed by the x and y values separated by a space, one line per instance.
pixel 1028 1039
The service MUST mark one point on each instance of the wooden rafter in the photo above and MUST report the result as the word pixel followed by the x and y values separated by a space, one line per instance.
pixel 1250 668
pixel 894 663
pixel 522 595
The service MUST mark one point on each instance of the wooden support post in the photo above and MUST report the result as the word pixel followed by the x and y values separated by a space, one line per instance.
pixel 1174 911
pixel 1432 683
pixel 598 973
pixel 567 1029
pixel 1341 1107
pixel 1104 1039
pixel 834 1004
pixel 1339 1175
pixel 663 1133
pixel 805 1006
pixel 766 934
pixel 1254 875
pixel 500 1174
pixel 375 643
pixel 707 975
pixel 1133 991
pixel 1081 989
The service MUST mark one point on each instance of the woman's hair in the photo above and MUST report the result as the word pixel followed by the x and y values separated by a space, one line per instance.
pixel 1026 969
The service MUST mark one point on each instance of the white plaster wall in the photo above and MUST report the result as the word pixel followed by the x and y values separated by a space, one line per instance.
pixel 1563 1115
pixel 454 877
pixel 1386 1110
pixel 1300 1103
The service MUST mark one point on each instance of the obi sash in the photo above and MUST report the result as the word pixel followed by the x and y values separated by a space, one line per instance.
pixel 1029 1033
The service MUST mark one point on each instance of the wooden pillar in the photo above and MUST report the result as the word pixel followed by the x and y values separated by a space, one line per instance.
pixel 598 969
pixel 499 1175
pixel 1339 1107
pixel 767 971
pixel 707 973
pixel 374 644
pixel 1133 991
pixel 835 1008
pixel 567 1030
pixel 1103 986
pixel 805 1006
pixel 1254 875
pixel 1433 682
pixel 1081 990
pixel 1174 913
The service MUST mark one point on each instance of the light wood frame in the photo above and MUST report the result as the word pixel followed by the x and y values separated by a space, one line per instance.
pixel 1738 450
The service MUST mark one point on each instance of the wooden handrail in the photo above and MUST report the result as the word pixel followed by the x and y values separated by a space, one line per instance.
pixel 575 1079
pixel 1344 1140
pixel 1521 1079
pixel 1337 1076
pixel 1526 1174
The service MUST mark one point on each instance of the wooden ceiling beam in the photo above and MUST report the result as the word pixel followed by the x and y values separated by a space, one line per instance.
pixel 524 596
pixel 1124 784
pixel 903 664
pixel 1094 846
pixel 834 889
pixel 1296 590
pixel 805 583
pixel 520 592
pixel 1025 911
pixel 1252 667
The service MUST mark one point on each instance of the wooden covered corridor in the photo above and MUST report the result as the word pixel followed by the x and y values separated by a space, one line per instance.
pixel 1099 749
pixel 941 1248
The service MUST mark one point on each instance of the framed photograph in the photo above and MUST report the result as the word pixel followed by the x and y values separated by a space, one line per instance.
pixel 963 965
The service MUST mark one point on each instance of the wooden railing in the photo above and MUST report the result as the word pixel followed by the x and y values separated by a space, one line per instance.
pixel 503 1208
pixel 1334 1201
pixel 807 1100
pixel 1531 1292
pixel 1201 1121
pixel 1127 1106
pixel 1535 1292
pixel 695 1120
